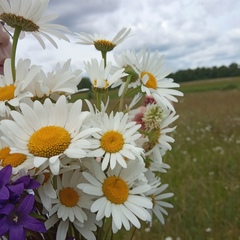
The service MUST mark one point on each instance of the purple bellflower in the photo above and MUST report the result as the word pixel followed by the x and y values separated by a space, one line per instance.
pixel 16 220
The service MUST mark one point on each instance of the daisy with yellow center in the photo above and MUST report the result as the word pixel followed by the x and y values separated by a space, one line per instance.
pixel 117 195
pixel 101 43
pixel 48 132
pixel 12 93
pixel 116 140
pixel 152 72
pixel 100 76
pixel 70 205
pixel 28 16
pixel 18 161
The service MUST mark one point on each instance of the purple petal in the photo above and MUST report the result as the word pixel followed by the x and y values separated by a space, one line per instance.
pixel 3 226
pixel 25 180
pixel 5 174
pixel 34 224
pixel 28 182
pixel 4 193
pixel 17 232
pixel 6 209
pixel 32 184
pixel 16 189
pixel 26 205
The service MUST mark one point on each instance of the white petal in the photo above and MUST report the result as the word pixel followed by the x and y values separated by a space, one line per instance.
pixel 62 230
pixel 129 215
pixel 140 212
pixel 38 161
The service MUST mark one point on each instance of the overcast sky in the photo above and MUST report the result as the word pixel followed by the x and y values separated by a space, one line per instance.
pixel 189 33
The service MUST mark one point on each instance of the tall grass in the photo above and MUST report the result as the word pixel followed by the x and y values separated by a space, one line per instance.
pixel 205 173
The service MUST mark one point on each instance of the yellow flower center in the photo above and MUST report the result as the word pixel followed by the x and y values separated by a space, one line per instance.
pixel 106 83
pixel 14 159
pixel 49 141
pixel 4 152
pixel 68 197
pixel 95 84
pixel 15 21
pixel 115 190
pixel 112 141
pixel 104 45
pixel 7 92
pixel 152 82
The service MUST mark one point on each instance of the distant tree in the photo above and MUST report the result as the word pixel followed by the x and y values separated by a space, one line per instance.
pixel 234 69
pixel 206 73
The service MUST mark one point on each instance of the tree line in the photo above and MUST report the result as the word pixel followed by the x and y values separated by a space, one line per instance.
pixel 206 73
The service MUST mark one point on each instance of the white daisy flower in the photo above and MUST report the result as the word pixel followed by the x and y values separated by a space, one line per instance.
pixel 62 81
pixel 28 16
pixel 18 161
pixel 116 140
pixel 70 205
pixel 125 60
pixel 116 195
pixel 70 200
pixel 100 75
pixel 11 93
pixel 86 229
pixel 152 72
pixel 158 197
pixel 99 41
pixel 48 132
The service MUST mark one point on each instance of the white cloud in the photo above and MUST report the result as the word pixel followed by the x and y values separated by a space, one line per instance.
pixel 189 33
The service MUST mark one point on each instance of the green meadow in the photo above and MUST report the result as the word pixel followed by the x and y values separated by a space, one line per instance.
pixel 205 169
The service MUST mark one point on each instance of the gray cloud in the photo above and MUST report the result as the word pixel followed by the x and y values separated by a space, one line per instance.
pixel 189 33
pixel 82 15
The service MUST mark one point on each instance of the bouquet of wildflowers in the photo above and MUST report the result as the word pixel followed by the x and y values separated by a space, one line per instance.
pixel 71 168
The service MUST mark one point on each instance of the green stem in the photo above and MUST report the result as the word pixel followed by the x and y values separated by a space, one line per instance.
pixel 134 91
pixel 99 99
pixel 104 56
pixel 14 49
pixel 124 93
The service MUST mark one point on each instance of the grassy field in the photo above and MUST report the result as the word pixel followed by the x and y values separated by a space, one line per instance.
pixel 205 173
pixel 205 169
pixel 211 85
